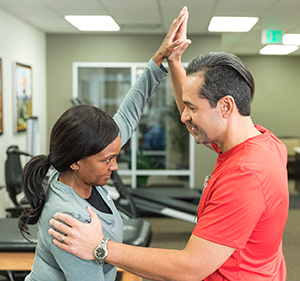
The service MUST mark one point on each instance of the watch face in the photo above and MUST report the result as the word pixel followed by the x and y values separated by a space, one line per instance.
pixel 100 252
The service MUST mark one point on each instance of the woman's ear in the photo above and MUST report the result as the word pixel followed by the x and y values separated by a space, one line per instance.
pixel 74 166
pixel 227 105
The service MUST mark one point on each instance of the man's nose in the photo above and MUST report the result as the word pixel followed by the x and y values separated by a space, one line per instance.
pixel 185 117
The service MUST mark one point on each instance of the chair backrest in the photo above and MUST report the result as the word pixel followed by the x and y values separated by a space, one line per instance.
pixel 13 172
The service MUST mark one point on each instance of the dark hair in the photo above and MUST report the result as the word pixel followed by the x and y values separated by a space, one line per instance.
pixel 224 74
pixel 81 131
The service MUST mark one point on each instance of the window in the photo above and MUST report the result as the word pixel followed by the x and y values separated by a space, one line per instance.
pixel 161 151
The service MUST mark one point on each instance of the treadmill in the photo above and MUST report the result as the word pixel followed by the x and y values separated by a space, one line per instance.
pixel 178 203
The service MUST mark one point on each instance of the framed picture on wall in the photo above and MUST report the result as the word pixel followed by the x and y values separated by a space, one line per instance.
pixel 1 100
pixel 22 95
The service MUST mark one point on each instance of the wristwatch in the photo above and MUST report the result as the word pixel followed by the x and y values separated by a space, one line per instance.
pixel 100 252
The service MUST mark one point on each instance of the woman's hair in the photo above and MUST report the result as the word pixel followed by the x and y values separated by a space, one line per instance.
pixel 82 131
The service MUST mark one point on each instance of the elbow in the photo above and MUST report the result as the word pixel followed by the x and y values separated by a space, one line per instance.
pixel 192 276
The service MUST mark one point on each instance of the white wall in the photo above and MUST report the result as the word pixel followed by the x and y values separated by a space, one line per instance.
pixel 20 42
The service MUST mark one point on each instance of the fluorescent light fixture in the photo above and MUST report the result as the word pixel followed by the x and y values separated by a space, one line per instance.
pixel 232 24
pixel 291 39
pixel 93 23
pixel 278 49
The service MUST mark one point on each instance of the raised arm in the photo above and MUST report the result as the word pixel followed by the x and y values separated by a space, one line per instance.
pixel 174 61
pixel 176 69
pixel 138 97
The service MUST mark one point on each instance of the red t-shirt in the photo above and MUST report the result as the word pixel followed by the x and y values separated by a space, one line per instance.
pixel 245 206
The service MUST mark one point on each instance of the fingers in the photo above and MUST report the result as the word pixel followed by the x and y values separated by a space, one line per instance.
pixel 183 27
pixel 66 218
pixel 61 245
pixel 60 226
pixel 58 242
pixel 93 215
pixel 58 236
pixel 176 24
pixel 173 39
pixel 178 51
pixel 184 45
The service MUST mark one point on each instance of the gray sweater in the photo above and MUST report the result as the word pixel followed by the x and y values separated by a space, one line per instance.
pixel 53 264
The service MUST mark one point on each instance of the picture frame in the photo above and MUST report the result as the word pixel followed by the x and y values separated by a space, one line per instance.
pixel 22 95
pixel 1 99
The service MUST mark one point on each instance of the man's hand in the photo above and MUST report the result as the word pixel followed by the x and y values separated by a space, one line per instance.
pixel 181 36
pixel 81 238
pixel 175 37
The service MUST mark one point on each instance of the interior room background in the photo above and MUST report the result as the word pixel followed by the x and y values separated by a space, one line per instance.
pixel 275 105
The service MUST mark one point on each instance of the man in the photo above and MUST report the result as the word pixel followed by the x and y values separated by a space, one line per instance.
pixel 244 207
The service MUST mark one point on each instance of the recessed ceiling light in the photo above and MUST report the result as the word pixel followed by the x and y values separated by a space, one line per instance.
pixel 278 50
pixel 93 23
pixel 291 39
pixel 232 24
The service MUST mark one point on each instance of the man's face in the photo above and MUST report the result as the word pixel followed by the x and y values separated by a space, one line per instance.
pixel 202 121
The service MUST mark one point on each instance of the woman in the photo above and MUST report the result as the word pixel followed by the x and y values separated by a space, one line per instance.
pixel 84 145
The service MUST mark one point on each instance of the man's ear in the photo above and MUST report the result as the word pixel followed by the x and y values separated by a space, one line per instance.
pixel 74 166
pixel 227 105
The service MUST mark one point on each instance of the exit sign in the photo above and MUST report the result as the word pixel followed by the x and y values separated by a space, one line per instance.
pixel 271 36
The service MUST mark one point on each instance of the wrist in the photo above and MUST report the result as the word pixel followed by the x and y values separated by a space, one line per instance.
pixel 158 58
pixel 174 60
pixel 100 252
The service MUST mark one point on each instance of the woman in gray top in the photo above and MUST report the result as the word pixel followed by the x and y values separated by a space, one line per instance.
pixel 84 145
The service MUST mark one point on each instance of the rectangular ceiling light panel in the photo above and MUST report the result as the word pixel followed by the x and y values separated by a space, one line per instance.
pixel 291 39
pixel 278 50
pixel 232 24
pixel 93 23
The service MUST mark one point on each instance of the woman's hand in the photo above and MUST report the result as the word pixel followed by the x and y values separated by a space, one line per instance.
pixel 175 38
pixel 81 239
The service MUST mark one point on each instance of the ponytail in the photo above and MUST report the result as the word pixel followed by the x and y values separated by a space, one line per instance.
pixel 33 184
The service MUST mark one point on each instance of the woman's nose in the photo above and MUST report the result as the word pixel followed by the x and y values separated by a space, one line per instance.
pixel 114 165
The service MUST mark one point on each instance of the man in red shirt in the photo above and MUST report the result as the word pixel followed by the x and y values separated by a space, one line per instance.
pixel 244 207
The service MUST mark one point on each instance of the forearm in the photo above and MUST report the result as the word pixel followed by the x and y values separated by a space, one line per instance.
pixel 138 97
pixel 177 77
pixel 158 58
pixel 150 263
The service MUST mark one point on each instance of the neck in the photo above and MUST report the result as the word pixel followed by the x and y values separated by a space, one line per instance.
pixel 238 131
pixel 69 178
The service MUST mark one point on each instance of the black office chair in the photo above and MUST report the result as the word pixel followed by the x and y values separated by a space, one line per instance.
pixel 13 178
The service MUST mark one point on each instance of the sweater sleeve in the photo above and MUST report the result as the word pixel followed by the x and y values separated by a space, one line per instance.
pixel 77 269
pixel 137 99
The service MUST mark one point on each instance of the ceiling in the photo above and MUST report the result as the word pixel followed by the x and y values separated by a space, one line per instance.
pixel 155 16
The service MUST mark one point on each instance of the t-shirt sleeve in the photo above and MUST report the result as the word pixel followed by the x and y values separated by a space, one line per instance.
pixel 233 207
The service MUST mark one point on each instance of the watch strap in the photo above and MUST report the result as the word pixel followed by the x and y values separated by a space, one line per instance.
pixel 102 246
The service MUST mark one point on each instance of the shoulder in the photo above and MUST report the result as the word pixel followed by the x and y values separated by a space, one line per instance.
pixel 64 199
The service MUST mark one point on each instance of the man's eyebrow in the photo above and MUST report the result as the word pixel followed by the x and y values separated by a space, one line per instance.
pixel 187 103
